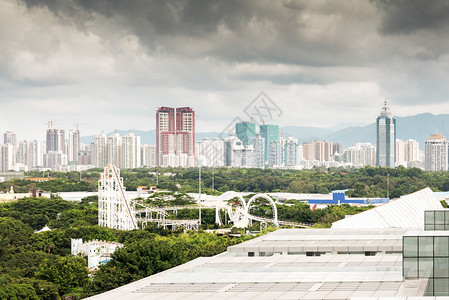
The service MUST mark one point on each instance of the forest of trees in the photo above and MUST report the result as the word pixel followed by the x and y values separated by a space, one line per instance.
pixel 39 265
pixel 363 182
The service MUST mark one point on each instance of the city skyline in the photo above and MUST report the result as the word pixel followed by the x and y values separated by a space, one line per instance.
pixel 107 67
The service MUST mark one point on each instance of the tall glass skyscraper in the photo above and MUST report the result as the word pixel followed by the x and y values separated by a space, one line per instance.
pixel 386 138
pixel 271 134
pixel 246 132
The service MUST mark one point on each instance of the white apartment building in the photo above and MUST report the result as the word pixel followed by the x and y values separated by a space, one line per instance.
pixel 436 153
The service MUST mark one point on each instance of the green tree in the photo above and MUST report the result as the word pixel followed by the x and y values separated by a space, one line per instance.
pixel 67 272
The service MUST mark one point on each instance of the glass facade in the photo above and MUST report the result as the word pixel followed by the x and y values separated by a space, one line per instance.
pixel 436 220
pixel 428 257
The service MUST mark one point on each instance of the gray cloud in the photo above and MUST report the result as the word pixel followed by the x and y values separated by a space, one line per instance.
pixel 410 16
pixel 97 60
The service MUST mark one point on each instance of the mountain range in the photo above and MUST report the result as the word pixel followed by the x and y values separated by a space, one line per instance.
pixel 418 127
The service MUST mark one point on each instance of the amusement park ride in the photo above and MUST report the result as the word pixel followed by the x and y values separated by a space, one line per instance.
pixel 116 211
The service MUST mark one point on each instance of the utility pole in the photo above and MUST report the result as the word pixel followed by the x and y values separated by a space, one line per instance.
pixel 199 191
pixel 388 186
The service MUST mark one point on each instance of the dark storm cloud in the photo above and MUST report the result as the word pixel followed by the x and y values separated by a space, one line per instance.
pixel 233 30
pixel 409 16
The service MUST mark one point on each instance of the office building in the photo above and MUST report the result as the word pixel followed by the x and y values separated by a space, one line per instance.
pixel 386 138
pixel 270 133
pixel 436 153
pixel 246 132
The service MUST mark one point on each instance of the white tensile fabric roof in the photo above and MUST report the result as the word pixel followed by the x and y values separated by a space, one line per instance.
pixel 404 212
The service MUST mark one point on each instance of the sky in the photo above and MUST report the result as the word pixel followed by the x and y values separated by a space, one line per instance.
pixel 108 64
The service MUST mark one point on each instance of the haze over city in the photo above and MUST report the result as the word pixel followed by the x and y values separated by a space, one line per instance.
pixel 106 65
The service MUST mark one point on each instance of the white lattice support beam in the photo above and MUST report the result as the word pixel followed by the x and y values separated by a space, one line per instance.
pixel 114 209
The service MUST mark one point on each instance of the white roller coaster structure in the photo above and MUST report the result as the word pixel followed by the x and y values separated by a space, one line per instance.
pixel 117 212
pixel 239 213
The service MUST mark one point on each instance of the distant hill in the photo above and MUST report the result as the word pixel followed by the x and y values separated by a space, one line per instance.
pixel 418 127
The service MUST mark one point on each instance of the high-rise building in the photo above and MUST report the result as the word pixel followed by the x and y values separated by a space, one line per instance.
pixel 291 152
pixel 148 155
pixel 259 151
pixel 30 153
pixel 131 151
pixel 318 150
pixel 74 145
pixel 337 148
pixel 114 150
pixel 386 138
pixel 124 152
pixel 185 131
pixel 436 153
pixel 360 155
pixel 406 152
pixel 175 136
pixel 54 159
pixel 55 139
pixel 7 157
pixel 211 152
pixel 246 132
pixel 100 159
pixel 165 133
pixel 233 148
pixel 270 133
pixel 10 137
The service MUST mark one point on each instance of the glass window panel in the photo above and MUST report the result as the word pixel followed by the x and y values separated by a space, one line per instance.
pixel 425 267
pixel 429 290
pixel 429 219
pixel 446 226
pixel 446 216
pixel 439 226
pixel 439 217
pixel 410 246
pixel 429 227
pixel 441 267
pixel 441 246
pixel 410 267
pixel 425 246
pixel 441 287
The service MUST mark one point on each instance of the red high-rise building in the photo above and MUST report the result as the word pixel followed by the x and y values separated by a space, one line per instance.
pixel 175 132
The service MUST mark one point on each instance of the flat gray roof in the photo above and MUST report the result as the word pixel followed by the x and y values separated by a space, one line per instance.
pixel 231 275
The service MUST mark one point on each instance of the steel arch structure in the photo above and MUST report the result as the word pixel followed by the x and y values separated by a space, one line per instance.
pixel 275 220
pixel 234 216
pixel 241 216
